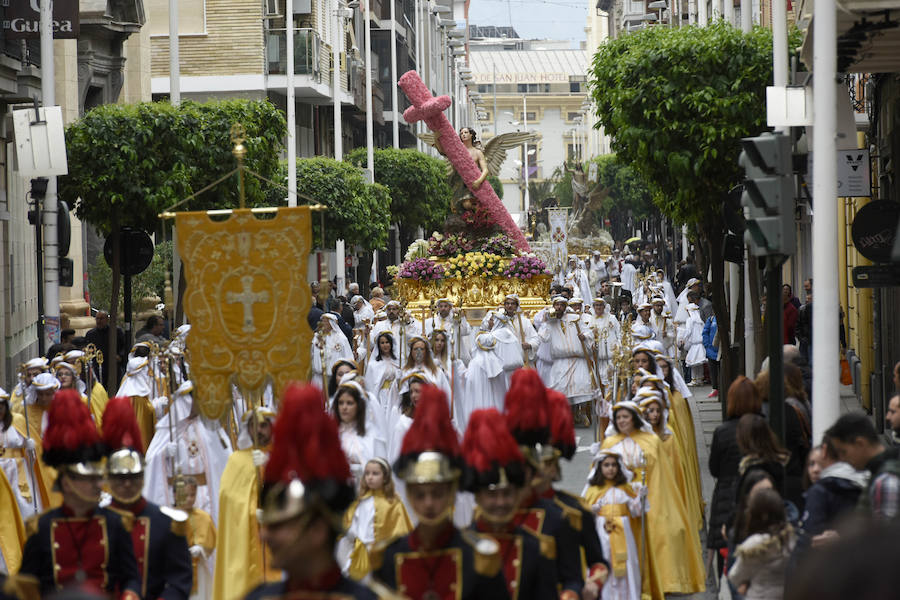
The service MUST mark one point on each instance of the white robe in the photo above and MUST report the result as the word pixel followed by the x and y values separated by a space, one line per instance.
pixel 402 334
pixel 383 383
pixel 460 349
pixel 606 332
pixel 11 438
pixel 578 277
pixel 336 347
pixel 569 371
pixel 496 355
pixel 203 449
pixel 628 277
pixel 629 586
pixel 665 331
pixel 457 377
pixel 690 337
pixel 360 449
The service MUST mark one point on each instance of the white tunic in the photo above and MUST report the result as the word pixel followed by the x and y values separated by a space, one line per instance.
pixel 326 351
pixel 629 586
pixel 11 438
pixel 382 382
pixel 402 334
pixel 569 371
pixel 462 348
pixel 359 449
pixel 203 450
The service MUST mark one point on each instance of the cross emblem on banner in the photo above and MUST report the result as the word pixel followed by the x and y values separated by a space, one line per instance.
pixel 248 298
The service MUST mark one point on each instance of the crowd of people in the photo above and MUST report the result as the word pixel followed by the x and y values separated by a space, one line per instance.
pixel 422 459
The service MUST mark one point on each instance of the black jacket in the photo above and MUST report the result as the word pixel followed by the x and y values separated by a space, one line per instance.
pixel 160 550
pixel 724 458
pixel 341 589
pixel 525 560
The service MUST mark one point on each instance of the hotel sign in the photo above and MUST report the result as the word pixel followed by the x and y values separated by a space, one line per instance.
pixel 23 18
pixel 523 77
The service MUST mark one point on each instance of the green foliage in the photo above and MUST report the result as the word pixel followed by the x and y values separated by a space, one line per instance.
pixel 128 162
pixel 147 284
pixel 496 184
pixel 420 195
pixel 538 191
pixel 676 102
pixel 357 211
pixel 627 191
pixel 562 186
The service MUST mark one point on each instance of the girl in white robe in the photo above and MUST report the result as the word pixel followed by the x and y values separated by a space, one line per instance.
pixel 383 376
pixel 329 346
pixel 455 370
pixel 359 438
pixel 614 500
pixel 420 360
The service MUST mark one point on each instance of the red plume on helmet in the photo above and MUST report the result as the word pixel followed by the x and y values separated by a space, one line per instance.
pixel 562 426
pixel 120 427
pixel 488 447
pixel 431 431
pixel 306 446
pixel 526 410
pixel 70 437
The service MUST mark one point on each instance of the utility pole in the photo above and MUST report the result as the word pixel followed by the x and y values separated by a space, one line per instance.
pixel 51 202
pixel 291 104
pixel 174 61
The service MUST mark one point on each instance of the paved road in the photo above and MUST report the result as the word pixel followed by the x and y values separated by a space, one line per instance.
pixel 707 416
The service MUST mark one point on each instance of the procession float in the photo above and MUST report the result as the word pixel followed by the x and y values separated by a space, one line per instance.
pixel 480 256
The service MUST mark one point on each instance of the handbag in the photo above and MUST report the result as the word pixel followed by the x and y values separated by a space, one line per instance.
pixel 846 376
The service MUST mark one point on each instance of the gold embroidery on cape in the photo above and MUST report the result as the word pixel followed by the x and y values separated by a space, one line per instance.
pixel 247 301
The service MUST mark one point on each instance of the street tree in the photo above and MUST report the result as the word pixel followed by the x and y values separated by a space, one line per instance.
pixel 357 212
pixel 127 162
pixel 420 193
pixel 675 103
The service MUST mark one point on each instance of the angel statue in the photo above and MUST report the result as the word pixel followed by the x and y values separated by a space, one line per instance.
pixel 489 157
pixel 585 199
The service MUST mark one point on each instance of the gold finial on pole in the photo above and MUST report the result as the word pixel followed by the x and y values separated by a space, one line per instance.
pixel 238 136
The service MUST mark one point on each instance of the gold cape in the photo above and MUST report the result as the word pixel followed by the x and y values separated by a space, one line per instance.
pixel 201 531
pixel 99 399
pixel 391 521
pixel 671 445
pixel 682 423
pixel 674 563
pixel 146 418
pixel 12 528
pixel 239 556
pixel 45 476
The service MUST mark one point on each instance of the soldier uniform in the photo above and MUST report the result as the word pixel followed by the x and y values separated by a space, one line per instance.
pixel 307 484
pixel 157 534
pixel 437 561
pixel 78 546
pixel 496 474
pixel 578 515
pixel 528 418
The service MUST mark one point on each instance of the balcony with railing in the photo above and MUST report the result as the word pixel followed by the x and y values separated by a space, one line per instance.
pixel 307 50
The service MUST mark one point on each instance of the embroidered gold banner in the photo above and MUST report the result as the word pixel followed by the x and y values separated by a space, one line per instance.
pixel 247 300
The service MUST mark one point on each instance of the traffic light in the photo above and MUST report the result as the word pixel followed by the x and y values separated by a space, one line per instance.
pixel 768 194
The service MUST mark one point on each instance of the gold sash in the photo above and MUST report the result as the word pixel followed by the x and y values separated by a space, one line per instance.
pixel 618 544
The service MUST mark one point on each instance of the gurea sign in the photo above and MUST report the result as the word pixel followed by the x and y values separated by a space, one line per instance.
pixel 874 229
pixel 23 19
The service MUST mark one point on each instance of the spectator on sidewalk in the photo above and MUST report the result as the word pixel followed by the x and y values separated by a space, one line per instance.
pixel 724 458
pixel 855 441
pixel 791 314
pixel 834 495
pixel 713 347
pixel 892 422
